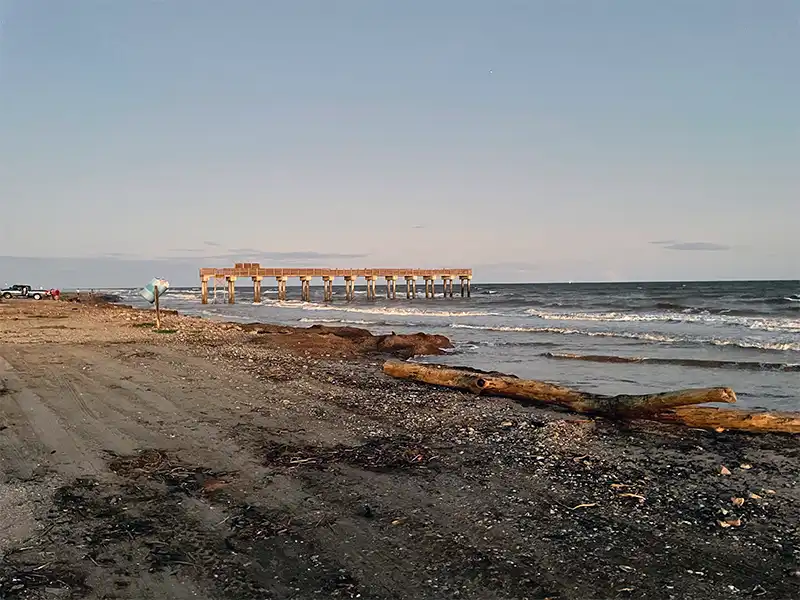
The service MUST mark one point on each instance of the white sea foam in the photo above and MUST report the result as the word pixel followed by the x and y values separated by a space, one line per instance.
pixel 377 310
pixel 776 324
pixel 341 321
pixel 647 337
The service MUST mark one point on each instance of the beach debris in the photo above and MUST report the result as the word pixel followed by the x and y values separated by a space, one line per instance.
pixel 637 496
pixel 745 466
pixel 668 407
pixel 212 485
pixel 375 454
pixel 737 501
pixel 159 466
pixel 730 523
pixel 587 505
pixel 754 496
pixel 365 510
pixel 724 470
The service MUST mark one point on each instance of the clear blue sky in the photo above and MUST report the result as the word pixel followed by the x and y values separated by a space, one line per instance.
pixel 532 140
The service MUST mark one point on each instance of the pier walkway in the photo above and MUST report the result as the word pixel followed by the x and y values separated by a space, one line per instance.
pixel 257 273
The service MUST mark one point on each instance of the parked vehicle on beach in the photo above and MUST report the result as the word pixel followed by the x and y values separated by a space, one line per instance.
pixel 24 291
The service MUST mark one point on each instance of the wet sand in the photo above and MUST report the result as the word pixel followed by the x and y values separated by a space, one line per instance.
pixel 213 461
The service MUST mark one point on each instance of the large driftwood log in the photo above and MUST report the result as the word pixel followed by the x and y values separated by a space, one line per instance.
pixel 669 407
pixel 509 386
pixel 725 418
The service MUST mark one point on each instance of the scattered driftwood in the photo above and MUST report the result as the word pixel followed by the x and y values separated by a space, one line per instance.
pixel 671 407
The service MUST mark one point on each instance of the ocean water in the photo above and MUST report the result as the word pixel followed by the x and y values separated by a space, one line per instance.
pixel 607 338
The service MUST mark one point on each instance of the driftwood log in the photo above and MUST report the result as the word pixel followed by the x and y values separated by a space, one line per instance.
pixel 671 407
pixel 721 418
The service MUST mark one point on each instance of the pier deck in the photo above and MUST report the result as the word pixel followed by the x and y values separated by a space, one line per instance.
pixel 257 273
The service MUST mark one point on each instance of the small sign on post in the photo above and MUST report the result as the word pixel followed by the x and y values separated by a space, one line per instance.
pixel 152 292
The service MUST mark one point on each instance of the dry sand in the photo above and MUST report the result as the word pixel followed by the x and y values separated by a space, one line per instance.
pixel 204 464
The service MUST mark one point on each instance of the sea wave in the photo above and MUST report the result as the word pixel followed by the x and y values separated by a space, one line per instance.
pixel 683 362
pixel 378 310
pixel 345 321
pixel 763 324
pixel 777 346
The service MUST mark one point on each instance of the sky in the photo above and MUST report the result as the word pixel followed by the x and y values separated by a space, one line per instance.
pixel 531 140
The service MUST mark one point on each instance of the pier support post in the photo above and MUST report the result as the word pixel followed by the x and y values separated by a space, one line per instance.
pixel 257 290
pixel 430 286
pixel 464 285
pixel 305 288
pixel 411 286
pixel 231 279
pixel 447 286
pixel 327 287
pixel 349 287
pixel 281 279
pixel 372 281
pixel 204 290
pixel 391 286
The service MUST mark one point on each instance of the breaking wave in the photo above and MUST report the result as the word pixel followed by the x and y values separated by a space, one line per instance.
pixel 379 310
pixel 762 324
pixel 645 337
pixel 683 362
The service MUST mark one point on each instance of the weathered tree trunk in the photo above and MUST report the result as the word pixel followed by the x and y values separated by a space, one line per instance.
pixel 669 407
pixel 725 418
pixel 509 386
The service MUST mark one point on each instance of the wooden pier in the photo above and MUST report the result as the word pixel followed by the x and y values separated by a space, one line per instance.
pixel 257 273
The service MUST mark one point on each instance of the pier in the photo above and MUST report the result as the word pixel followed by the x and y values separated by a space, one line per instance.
pixel 257 273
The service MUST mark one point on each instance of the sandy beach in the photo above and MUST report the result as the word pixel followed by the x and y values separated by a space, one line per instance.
pixel 223 461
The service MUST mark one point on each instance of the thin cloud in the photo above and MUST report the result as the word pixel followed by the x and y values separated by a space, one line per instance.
pixel 418 227
pixel 122 255
pixel 254 255
pixel 698 247
pixel 214 244
pixel 299 255
pixel 664 242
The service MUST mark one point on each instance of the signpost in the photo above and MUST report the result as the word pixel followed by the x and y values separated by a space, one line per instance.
pixel 152 292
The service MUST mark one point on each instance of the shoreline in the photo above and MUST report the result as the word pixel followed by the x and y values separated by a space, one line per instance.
pixel 285 471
